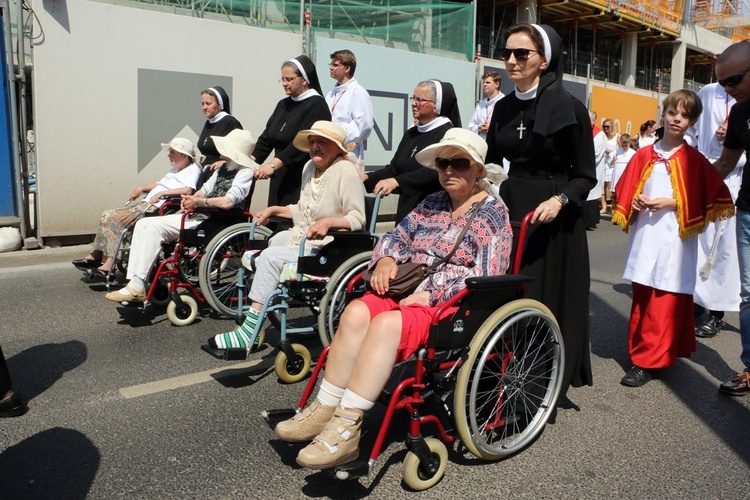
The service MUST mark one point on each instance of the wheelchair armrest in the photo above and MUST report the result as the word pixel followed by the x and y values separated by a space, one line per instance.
pixel 345 244
pixel 486 294
pixel 493 282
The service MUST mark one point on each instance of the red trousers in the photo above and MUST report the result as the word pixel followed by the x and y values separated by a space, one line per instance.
pixel 662 327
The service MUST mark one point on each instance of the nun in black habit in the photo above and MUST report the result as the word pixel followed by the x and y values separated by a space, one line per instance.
pixel 304 106
pixel 219 122
pixel 435 110
pixel 545 133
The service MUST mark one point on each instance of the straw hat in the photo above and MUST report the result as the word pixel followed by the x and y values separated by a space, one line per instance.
pixel 325 129
pixel 181 145
pixel 470 143
pixel 237 145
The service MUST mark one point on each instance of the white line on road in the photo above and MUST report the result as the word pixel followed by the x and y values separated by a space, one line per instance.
pixel 184 380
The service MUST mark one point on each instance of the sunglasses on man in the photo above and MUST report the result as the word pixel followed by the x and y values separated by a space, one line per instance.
pixel 734 79
pixel 520 54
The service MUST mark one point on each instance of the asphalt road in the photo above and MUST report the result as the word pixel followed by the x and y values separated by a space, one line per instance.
pixel 122 404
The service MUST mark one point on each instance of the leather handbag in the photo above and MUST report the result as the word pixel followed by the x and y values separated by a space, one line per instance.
pixel 411 274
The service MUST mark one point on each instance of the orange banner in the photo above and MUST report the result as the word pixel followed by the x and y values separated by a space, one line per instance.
pixel 627 110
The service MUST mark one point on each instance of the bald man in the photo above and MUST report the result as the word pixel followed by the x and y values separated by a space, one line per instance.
pixel 732 68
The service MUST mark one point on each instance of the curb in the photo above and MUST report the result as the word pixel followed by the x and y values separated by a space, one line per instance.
pixel 47 255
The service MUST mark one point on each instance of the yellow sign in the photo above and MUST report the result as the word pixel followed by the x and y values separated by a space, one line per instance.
pixel 628 111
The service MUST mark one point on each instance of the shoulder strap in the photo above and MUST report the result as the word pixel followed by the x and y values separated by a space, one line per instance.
pixel 460 236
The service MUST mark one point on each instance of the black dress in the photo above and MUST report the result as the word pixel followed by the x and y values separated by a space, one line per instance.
pixel 287 119
pixel 415 182
pixel 556 254
pixel 220 128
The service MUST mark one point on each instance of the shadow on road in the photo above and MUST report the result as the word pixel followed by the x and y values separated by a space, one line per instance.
pixel 56 463
pixel 38 368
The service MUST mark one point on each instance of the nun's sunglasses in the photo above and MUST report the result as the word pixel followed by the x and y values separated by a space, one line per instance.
pixel 734 79
pixel 456 164
pixel 520 54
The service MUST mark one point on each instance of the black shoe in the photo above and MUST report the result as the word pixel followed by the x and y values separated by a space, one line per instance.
pixel 84 264
pixel 98 276
pixel 738 386
pixel 710 327
pixel 12 407
pixel 636 377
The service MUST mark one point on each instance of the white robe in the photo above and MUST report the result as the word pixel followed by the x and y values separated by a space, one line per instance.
pixel 657 256
pixel 600 156
pixel 622 158
pixel 483 113
pixel 718 287
pixel 351 108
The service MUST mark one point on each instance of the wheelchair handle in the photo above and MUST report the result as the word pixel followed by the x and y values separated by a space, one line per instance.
pixel 521 243
pixel 375 212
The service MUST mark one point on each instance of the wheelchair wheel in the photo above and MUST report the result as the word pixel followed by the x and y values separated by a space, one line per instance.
pixel 184 314
pixel 508 386
pixel 160 297
pixel 415 476
pixel 334 300
pixel 220 263
pixel 292 371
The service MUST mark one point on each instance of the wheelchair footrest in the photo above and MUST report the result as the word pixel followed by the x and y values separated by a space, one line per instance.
pixel 231 354
pixel 352 470
pixel 273 417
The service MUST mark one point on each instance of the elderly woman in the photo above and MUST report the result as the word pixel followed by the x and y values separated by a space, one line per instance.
pixel 377 330
pixel 182 178
pixel 226 189
pixel 332 199
pixel 304 106
pixel 546 135
pixel 435 110
pixel 215 106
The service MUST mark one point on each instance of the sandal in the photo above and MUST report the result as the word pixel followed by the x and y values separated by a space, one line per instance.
pixel 98 276
pixel 129 295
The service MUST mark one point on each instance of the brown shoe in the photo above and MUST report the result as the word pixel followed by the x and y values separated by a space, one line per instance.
pixel 338 444
pixel 306 424
pixel 129 295
pixel 738 386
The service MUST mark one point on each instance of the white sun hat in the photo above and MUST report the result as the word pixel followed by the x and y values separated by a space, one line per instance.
pixel 181 145
pixel 237 145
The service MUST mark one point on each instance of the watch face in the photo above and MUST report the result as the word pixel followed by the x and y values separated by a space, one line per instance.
pixel 564 199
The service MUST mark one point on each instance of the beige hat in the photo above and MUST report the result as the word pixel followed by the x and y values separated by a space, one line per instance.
pixel 470 143
pixel 237 145
pixel 326 129
pixel 181 145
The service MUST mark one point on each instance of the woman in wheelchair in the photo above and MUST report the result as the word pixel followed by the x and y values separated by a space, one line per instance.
pixel 377 330
pixel 227 188
pixel 182 178
pixel 332 199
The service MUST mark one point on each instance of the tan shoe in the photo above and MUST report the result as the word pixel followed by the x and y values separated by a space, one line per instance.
pixel 306 424
pixel 130 295
pixel 338 444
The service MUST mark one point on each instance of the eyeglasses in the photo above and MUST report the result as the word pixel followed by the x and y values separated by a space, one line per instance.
pixel 734 79
pixel 520 54
pixel 456 164
pixel 288 80
pixel 418 100
pixel 335 65
pixel 605 126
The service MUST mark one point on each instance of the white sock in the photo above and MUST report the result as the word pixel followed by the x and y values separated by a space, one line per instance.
pixel 329 394
pixel 355 401
pixel 137 285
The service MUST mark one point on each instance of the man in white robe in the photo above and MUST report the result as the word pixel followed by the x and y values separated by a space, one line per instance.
pixel 717 288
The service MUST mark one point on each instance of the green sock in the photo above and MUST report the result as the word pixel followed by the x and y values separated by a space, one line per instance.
pixel 242 335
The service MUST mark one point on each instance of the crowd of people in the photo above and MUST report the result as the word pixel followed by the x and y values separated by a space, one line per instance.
pixel 537 149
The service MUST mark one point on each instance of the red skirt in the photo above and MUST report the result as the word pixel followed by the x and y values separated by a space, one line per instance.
pixel 662 327
pixel 415 321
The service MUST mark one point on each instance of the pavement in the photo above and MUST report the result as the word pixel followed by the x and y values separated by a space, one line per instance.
pixel 46 255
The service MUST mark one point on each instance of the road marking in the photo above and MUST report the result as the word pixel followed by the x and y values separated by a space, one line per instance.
pixel 184 380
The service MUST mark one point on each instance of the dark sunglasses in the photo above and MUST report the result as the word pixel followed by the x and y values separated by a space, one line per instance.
pixel 456 164
pixel 734 79
pixel 519 54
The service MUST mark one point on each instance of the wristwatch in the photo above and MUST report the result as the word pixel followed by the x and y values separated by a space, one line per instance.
pixel 562 198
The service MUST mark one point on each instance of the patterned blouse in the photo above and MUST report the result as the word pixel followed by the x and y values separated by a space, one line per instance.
pixel 429 233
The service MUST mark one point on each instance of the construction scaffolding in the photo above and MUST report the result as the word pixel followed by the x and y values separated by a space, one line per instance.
pixel 417 26
pixel 729 18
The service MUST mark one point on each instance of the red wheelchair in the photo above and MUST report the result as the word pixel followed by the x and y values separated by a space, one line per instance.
pixel 495 367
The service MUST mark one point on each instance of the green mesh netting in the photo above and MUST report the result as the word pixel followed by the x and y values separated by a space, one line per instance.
pixel 436 25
